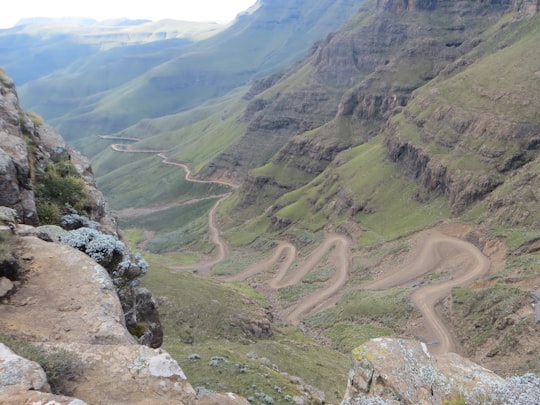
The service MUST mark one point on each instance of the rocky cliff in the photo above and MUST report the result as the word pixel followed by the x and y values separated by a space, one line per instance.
pixel 64 305
pixel 46 182
pixel 70 293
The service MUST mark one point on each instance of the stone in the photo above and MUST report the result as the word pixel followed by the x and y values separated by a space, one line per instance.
pixel 128 374
pixel 19 374
pixel 404 371
pixel 38 398
pixel 64 286
pixel 5 286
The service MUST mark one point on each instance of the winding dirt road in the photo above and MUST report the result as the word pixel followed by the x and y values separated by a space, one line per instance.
pixel 340 259
pixel 436 252
pixel 213 231
pixel 458 260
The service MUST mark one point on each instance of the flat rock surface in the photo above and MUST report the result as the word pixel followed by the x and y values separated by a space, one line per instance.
pixel 67 297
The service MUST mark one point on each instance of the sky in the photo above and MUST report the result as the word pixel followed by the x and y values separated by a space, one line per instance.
pixel 189 10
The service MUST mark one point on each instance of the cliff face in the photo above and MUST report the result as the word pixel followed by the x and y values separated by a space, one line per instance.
pixel 46 182
pixel 66 305
pixel 476 128
pixel 69 295
pixel 355 81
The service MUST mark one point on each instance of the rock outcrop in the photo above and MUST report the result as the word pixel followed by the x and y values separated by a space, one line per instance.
pixel 30 151
pixel 67 303
pixel 395 371
pixel 69 293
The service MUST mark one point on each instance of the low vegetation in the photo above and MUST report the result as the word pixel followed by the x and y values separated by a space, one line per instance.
pixel 10 265
pixel 62 367
pixel 361 315
pixel 207 327
pixel 490 318
pixel 59 190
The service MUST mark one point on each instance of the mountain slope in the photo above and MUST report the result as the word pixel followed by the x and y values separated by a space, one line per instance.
pixel 190 75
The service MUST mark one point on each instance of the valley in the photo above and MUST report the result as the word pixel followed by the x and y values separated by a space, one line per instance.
pixel 316 175
pixel 436 253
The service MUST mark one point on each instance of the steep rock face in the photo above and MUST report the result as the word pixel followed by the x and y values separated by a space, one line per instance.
pixel 466 141
pixel 395 371
pixel 15 186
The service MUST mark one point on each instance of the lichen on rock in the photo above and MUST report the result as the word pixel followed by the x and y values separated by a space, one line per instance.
pixel 397 371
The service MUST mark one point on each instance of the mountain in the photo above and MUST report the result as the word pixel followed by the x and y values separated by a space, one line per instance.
pixel 92 93
pixel 386 184
pixel 412 116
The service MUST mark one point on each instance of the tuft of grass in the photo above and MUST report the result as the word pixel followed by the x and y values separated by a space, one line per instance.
pixel 59 187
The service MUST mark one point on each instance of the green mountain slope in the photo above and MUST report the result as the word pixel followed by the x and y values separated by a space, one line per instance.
pixel 412 115
pixel 39 48
pixel 269 37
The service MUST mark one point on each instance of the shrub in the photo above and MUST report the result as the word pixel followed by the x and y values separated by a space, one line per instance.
pixel 104 249
pixel 58 188
pixel 9 262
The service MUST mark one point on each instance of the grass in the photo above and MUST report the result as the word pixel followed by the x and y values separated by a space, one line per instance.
pixel 346 336
pixel 175 228
pixel 201 316
pixel 155 183
pixel 387 208
pixel 515 237
pixel 476 310
pixel 136 239
pixel 362 315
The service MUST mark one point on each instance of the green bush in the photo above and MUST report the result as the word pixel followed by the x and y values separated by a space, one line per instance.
pixel 60 186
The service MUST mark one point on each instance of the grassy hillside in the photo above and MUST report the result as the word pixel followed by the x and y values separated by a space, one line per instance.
pixel 168 75
pixel 243 363
pixel 36 50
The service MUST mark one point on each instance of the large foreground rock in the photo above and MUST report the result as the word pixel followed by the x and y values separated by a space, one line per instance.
pixel 396 371
pixel 67 303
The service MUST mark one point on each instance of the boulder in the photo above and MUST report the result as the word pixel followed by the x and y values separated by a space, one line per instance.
pixel 397 371
pixel 128 374
pixel 38 398
pixel 5 286
pixel 19 374
pixel 67 297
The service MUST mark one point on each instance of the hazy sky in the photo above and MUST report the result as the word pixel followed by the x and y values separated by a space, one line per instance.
pixel 190 10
